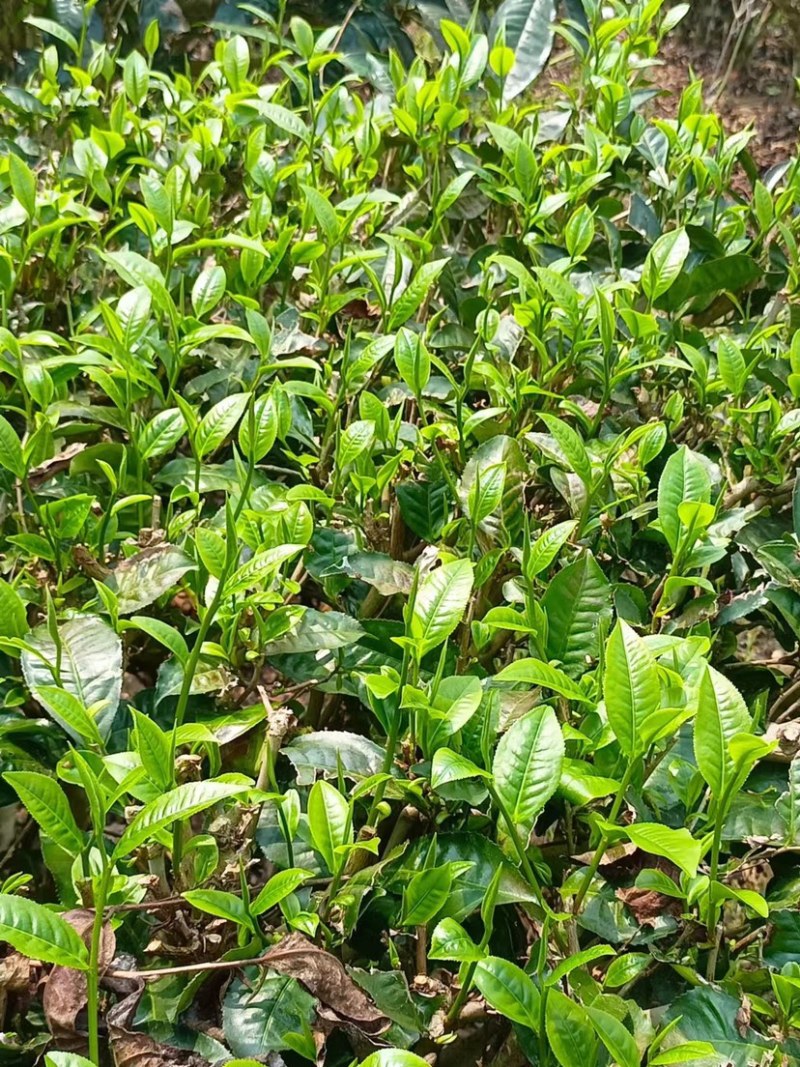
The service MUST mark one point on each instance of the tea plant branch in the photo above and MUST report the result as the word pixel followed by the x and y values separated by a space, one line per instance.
pixel 192 968
pixel 44 526
pixel 193 660
pixel 93 976
pixel 600 851
pixel 519 848
pixel 397 715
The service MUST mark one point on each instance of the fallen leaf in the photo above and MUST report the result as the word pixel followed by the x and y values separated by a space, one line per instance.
pixel 614 854
pixel 755 874
pixel 743 1018
pixel 15 973
pixel 51 467
pixel 359 309
pixel 326 979
pixel 15 977
pixel 65 993
pixel 647 906
pixel 787 734
pixel 131 1048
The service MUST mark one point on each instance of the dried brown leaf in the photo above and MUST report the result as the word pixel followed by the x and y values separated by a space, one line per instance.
pixel 615 854
pixel 787 734
pixel 755 875
pixel 51 467
pixel 647 906
pixel 326 979
pixel 134 1049
pixel 15 973
pixel 743 1018
pixel 16 979
pixel 65 993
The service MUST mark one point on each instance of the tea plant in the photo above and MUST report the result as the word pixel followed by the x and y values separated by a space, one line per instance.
pixel 399 603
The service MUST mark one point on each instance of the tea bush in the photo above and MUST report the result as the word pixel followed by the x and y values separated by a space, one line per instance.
pixel 399 609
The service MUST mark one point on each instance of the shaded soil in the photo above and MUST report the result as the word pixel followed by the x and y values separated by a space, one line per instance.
pixel 761 91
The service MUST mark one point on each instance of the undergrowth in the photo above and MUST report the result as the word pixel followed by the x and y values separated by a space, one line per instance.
pixel 399 610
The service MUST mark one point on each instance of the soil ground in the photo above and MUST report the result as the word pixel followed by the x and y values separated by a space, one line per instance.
pixel 760 93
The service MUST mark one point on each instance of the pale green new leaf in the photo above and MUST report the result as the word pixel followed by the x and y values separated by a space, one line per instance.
pixel 66 1059
pixel 23 183
pixel 721 714
pixel 547 546
pixel 329 822
pixel 684 478
pixel 571 445
pixel 440 604
pixel 630 686
pixel 664 263
pixel 448 766
pixel 412 360
pixel 280 886
pixel 179 803
pixel 220 904
pixel 13 616
pixel 617 1039
pixel 162 433
pixel 40 934
pixel 394 1057
pixel 569 1032
pixel 10 449
pixel 208 290
pixel 425 895
pixel 788 805
pixel 67 710
pixel 527 766
pixel 419 287
pixel 218 423
pixel 732 366
pixel 47 802
pixel 676 845
pixel 357 438
pixel 265 426
pixel 580 959
pixel 537 672
pixel 577 604
pixel 450 941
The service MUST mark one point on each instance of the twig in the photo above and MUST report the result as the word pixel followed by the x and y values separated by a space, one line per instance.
pixel 192 968
pixel 147 905
pixel 748 939
pixel 353 8
pixel 422 950
pixel 785 704
pixel 21 507
pixel 713 956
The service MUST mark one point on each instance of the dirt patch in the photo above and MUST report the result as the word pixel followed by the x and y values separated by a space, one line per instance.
pixel 760 92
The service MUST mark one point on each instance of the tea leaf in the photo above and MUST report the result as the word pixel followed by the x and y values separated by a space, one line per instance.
pixel 527 765
pixel 39 933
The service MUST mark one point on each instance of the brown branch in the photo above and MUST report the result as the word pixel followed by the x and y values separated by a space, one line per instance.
pixel 192 968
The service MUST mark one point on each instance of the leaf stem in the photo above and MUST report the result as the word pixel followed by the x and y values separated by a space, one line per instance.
pixel 519 848
pixel 391 740
pixel 716 845
pixel 604 839
pixel 93 977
